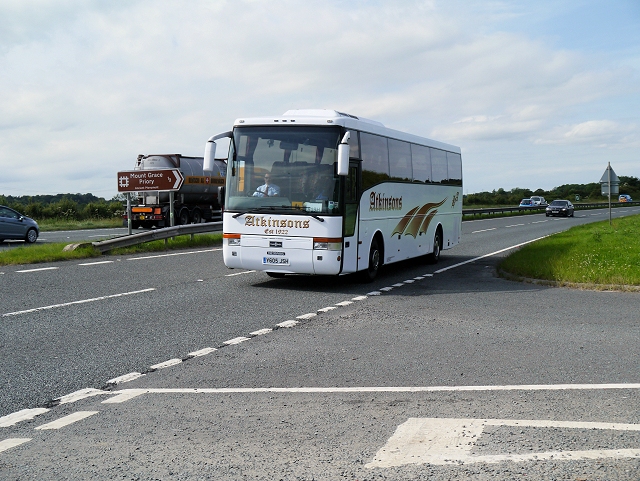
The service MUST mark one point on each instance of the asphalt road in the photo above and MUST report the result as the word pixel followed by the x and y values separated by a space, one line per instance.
pixel 431 372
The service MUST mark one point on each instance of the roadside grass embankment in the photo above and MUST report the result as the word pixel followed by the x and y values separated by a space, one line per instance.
pixel 60 224
pixel 38 253
pixel 594 256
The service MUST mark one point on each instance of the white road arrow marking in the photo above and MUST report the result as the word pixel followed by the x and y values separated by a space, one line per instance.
pixel 450 441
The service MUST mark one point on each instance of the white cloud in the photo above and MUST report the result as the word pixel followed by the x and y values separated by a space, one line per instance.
pixel 86 86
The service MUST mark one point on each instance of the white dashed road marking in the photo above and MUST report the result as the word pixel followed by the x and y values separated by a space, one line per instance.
pixel 162 365
pixel 84 301
pixel 12 443
pixel 67 420
pixel 203 352
pixel 24 415
pixel 125 378
pixel 39 269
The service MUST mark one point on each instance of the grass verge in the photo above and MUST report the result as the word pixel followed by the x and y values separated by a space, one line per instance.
pixel 591 254
pixel 37 253
pixel 56 224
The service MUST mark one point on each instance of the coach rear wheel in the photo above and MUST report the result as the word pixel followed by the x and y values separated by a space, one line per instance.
pixel 437 246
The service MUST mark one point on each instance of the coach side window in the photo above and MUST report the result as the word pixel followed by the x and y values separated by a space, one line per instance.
pixel 354 145
pixel 400 160
pixel 455 168
pixel 375 159
pixel 421 161
pixel 439 169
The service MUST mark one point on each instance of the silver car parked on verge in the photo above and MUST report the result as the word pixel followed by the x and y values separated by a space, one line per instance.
pixel 14 225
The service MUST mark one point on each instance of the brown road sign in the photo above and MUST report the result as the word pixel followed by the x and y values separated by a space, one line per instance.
pixel 141 180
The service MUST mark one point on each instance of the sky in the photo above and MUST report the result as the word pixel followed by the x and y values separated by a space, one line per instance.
pixel 536 94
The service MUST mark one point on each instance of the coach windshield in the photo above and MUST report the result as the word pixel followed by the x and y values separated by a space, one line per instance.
pixel 283 169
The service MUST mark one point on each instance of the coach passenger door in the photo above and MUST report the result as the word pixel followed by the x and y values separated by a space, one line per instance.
pixel 350 227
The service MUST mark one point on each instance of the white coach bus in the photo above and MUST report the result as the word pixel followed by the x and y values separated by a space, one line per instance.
pixel 323 192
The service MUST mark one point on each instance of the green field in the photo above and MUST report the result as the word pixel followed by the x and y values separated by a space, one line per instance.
pixel 595 254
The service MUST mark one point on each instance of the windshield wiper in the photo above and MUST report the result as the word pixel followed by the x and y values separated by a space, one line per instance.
pixel 290 207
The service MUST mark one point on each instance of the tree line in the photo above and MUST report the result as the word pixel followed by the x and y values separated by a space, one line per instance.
pixel 87 206
pixel 66 206
pixel 586 192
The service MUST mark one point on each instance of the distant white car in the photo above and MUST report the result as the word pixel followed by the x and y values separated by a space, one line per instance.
pixel 537 201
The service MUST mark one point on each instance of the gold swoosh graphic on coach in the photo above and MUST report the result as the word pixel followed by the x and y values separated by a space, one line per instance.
pixel 417 220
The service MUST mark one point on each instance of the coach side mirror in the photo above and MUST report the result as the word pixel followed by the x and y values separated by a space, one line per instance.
pixel 343 154
pixel 210 152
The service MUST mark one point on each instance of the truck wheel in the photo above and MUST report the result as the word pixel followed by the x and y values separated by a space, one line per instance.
pixel 183 218
pixel 197 216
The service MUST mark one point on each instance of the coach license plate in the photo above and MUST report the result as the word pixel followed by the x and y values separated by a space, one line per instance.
pixel 275 261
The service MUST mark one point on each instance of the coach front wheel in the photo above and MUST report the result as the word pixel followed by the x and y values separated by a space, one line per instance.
pixel 371 272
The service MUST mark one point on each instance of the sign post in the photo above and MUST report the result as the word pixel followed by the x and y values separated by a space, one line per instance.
pixel 609 183
pixel 129 213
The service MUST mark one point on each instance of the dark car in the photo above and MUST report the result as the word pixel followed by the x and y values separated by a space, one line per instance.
pixel 560 207
pixel 14 225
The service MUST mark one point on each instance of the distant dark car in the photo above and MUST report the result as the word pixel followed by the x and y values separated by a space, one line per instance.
pixel 526 203
pixel 560 207
pixel 14 225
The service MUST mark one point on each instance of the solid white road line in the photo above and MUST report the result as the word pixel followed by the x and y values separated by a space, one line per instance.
pixel 172 254
pixel 66 420
pixel 487 255
pixel 84 301
pixel 126 394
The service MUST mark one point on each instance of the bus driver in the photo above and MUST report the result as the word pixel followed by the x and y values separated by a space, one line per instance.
pixel 267 189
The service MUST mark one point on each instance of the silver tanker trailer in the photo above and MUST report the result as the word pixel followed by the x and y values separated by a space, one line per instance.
pixel 199 199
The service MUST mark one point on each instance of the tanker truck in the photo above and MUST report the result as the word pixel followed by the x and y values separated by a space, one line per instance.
pixel 199 199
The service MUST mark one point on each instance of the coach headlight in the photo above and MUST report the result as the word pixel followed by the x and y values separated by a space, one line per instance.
pixel 232 239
